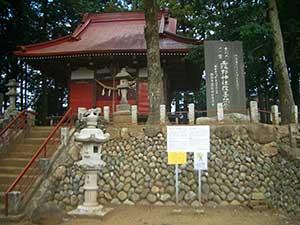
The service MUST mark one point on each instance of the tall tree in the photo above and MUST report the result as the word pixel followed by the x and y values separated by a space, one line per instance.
pixel 155 75
pixel 286 100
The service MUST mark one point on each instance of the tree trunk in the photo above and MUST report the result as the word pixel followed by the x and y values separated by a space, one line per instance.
pixel 286 101
pixel 295 77
pixel 155 75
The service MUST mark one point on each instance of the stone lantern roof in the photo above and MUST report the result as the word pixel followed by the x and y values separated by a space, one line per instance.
pixel 91 133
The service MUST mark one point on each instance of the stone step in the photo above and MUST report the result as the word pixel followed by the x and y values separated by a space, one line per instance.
pixel 42 128
pixel 15 170
pixel 2 197
pixel 9 178
pixel 2 208
pixel 17 162
pixel 34 141
pixel 10 170
pixel 26 148
pixel 39 134
pixel 3 189
pixel 23 155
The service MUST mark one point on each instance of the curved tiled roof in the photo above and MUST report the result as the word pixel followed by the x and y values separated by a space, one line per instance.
pixel 111 33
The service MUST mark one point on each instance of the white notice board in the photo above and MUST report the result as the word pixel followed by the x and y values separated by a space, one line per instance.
pixel 188 138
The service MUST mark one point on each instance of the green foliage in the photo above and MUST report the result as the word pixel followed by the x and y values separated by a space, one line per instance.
pixel 32 21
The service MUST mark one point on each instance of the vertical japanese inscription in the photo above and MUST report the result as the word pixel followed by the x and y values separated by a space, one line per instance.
pixel 225 81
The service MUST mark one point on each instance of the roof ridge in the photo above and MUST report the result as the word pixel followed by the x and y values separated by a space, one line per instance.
pixel 54 41
pixel 182 38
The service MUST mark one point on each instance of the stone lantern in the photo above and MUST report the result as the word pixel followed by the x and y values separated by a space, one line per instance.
pixel 12 93
pixel 92 139
pixel 124 77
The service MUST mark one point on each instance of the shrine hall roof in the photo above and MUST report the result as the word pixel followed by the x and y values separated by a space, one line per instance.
pixel 119 33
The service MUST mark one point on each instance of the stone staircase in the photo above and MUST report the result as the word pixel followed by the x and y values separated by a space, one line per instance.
pixel 14 161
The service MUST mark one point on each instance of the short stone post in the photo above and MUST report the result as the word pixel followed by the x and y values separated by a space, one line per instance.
pixel 81 111
pixel 295 114
pixel 292 132
pixel 191 113
pixel 220 112
pixel 162 114
pixel 44 165
pixel 31 119
pixel 275 115
pixel 254 115
pixel 134 114
pixel 64 135
pixel 106 113
pixel 14 202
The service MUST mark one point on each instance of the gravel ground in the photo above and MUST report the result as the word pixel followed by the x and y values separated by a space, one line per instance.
pixel 145 215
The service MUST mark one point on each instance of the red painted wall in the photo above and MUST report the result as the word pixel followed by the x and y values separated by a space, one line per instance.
pixel 86 94
pixel 81 94
pixel 143 100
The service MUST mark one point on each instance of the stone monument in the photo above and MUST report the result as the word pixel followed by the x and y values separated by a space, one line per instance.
pixel 91 138
pixel 122 114
pixel 225 77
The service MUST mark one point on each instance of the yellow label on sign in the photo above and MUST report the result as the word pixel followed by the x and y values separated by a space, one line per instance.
pixel 176 158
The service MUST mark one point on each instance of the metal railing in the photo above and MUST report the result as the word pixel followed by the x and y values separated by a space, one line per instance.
pixel 18 123
pixel 32 171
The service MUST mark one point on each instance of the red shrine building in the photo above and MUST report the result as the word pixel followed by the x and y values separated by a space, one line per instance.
pixel 88 60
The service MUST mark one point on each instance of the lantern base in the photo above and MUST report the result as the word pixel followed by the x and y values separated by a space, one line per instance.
pixel 122 117
pixel 90 211
pixel 123 108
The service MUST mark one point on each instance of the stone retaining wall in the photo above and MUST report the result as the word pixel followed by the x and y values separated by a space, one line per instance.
pixel 246 162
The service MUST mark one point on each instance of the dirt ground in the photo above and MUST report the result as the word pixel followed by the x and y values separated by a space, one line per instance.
pixel 145 215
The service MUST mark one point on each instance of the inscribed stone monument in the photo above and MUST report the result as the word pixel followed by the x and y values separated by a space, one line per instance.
pixel 225 79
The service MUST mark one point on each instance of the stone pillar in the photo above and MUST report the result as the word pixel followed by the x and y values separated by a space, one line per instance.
pixel 220 112
pixel 64 135
pixel 275 114
pixel 254 115
pixel 162 114
pixel 44 165
pixel 134 114
pixel 14 202
pixel 81 111
pixel 91 188
pixel 292 132
pixel 31 119
pixel 191 114
pixel 106 113
pixel 295 114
